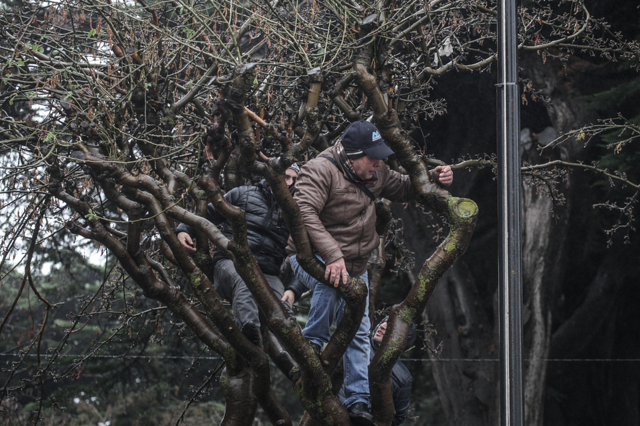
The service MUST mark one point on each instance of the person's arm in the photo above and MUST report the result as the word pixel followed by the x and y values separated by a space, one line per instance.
pixel 186 233
pixel 294 289
pixel 312 192
pixel 289 297
pixel 335 271
pixel 397 187
pixel 233 197
pixel 442 175
pixel 186 241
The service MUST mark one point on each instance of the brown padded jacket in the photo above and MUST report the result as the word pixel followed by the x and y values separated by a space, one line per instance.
pixel 339 217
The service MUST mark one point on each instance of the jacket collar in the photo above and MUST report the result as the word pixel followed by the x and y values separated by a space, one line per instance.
pixel 347 168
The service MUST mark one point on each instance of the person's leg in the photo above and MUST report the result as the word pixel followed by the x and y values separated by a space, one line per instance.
pixel 356 359
pixel 302 275
pixel 324 304
pixel 278 289
pixel 232 286
pixel 327 304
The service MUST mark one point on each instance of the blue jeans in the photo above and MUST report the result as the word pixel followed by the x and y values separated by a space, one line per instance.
pixel 327 305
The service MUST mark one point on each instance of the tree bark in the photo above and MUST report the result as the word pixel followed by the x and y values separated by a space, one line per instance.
pixel 466 332
pixel 545 223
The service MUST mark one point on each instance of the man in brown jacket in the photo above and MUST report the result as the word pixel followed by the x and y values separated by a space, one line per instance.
pixel 336 193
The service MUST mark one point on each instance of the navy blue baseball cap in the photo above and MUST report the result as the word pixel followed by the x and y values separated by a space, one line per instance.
pixel 363 138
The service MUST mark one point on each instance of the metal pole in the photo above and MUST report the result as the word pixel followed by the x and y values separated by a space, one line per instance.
pixel 510 276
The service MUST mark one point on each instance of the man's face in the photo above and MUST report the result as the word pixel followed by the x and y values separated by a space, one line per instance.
pixel 365 167
pixel 380 332
pixel 290 177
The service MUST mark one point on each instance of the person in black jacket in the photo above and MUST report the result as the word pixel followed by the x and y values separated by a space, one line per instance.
pixel 401 379
pixel 267 234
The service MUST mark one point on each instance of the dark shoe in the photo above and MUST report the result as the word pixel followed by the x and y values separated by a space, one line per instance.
pixel 360 414
pixel 252 331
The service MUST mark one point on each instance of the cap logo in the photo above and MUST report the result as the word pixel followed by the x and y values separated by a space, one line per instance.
pixel 375 136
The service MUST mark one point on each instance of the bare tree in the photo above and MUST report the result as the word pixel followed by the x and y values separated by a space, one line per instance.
pixel 120 100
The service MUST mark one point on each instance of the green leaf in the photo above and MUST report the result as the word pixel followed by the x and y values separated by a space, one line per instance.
pixel 20 63
pixel 92 33
pixel 35 47
pixel 90 215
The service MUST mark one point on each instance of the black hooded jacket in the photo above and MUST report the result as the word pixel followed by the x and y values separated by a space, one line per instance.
pixel 266 230
pixel 401 379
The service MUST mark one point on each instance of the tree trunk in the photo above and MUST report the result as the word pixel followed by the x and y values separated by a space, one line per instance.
pixel 545 223
pixel 465 329
pixel 542 243
pixel 460 309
